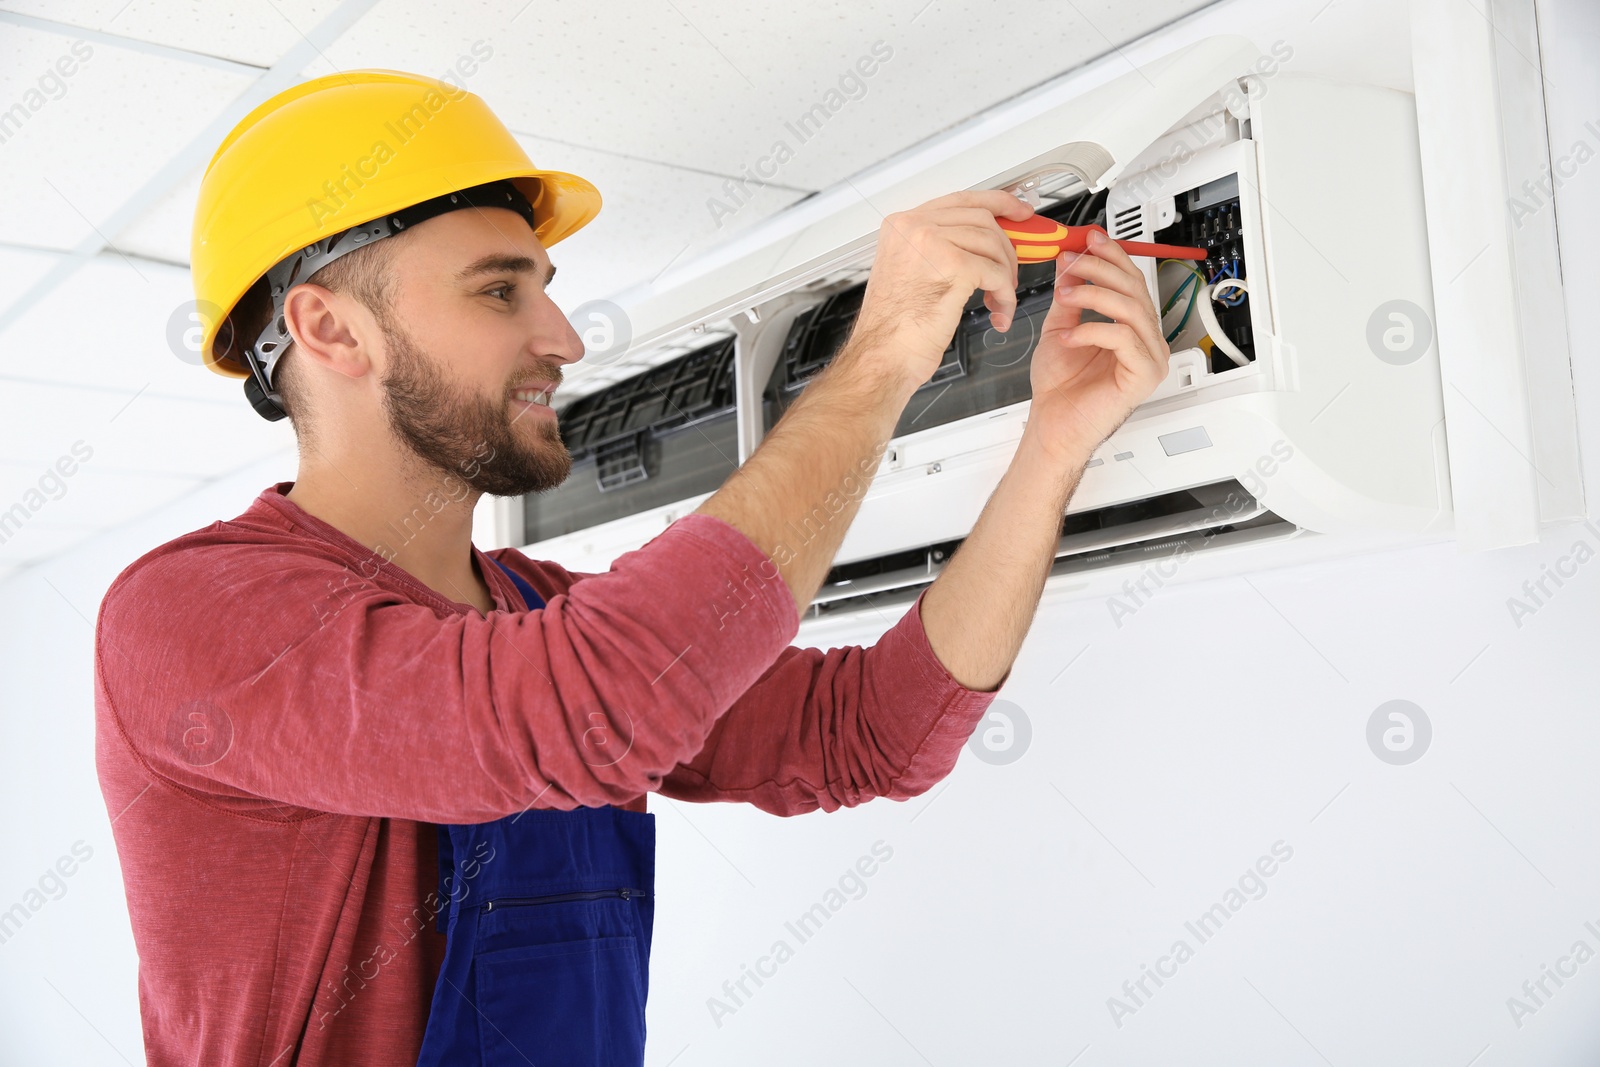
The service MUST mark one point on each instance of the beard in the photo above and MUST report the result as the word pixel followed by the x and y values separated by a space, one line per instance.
pixel 467 436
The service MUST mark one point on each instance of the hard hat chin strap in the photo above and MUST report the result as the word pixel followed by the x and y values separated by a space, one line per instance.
pixel 262 357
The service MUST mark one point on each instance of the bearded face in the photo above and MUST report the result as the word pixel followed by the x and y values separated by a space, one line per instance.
pixel 498 446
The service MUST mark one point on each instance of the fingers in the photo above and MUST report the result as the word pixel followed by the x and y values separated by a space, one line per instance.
pixel 995 201
pixel 971 216
pixel 986 241
pixel 1124 341
pixel 966 248
pixel 1137 312
pixel 1106 264
pixel 997 275
pixel 1118 291
pixel 1062 314
pixel 958 236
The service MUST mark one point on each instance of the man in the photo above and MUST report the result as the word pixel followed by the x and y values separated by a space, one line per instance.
pixel 331 726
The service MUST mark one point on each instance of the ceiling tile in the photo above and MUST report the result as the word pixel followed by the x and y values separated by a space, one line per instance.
pixel 87 140
pixel 255 33
pixel 163 231
pixel 840 85
pixel 116 323
pixel 21 267
pixel 133 432
pixel 651 217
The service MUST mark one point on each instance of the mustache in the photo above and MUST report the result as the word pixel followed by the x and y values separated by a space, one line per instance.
pixel 540 382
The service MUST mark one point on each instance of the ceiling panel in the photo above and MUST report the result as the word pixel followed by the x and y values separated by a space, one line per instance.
pixel 651 217
pixel 89 140
pixel 133 432
pixel 257 32
pixel 162 232
pixel 21 267
pixel 702 86
pixel 117 323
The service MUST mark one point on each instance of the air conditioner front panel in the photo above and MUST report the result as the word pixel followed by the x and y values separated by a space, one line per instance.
pixel 1350 278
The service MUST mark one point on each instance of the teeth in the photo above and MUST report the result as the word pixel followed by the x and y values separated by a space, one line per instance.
pixel 540 397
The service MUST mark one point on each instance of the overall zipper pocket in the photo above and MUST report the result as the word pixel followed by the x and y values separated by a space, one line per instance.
pixel 598 894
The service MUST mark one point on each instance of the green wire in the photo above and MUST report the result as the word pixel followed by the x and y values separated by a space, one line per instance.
pixel 1195 277
pixel 1176 293
pixel 1176 330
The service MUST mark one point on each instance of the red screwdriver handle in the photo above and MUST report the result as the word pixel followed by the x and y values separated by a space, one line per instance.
pixel 1038 239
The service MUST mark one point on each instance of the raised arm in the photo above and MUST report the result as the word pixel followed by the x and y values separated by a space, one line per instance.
pixel 811 471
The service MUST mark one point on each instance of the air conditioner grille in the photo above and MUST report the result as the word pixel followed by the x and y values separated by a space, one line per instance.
pixel 1190 520
pixel 695 386
pixel 1128 223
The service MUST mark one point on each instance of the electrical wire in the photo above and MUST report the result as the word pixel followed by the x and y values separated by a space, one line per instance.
pixel 1086 208
pixel 1214 328
pixel 1233 272
pixel 1192 275
pixel 1230 283
pixel 1193 292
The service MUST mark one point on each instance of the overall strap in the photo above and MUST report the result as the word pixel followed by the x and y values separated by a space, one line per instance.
pixel 446 859
pixel 535 601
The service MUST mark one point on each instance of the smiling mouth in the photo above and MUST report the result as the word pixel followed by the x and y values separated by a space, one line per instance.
pixel 535 396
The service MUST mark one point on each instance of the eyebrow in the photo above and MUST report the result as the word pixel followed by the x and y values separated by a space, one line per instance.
pixel 499 262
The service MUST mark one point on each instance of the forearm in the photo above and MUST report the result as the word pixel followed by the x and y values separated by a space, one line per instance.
pixel 795 497
pixel 978 610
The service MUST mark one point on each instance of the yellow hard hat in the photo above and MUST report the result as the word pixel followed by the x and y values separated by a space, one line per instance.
pixel 334 153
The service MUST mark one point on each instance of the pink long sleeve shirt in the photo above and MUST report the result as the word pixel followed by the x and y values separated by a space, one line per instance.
pixel 281 716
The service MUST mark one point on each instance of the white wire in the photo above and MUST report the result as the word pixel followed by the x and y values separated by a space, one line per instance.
pixel 1214 328
pixel 1235 283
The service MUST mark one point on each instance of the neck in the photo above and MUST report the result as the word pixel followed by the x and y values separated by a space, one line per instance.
pixel 415 516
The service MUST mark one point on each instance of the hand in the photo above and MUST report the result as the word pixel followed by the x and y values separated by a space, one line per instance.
pixel 928 262
pixel 1088 377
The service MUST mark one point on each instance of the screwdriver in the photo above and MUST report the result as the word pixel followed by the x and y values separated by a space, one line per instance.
pixel 1038 239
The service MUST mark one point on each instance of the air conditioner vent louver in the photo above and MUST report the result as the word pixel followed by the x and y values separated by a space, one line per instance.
pixel 694 386
pixel 619 463
pixel 1128 223
pixel 661 436
pixel 1166 525
pixel 980 371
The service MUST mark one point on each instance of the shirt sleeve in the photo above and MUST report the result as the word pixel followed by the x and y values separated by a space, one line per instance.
pixel 835 728
pixel 260 675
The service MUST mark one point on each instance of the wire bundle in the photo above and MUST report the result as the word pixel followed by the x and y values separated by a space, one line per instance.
pixel 1225 287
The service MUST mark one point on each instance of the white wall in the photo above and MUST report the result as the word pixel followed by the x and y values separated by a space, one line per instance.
pixel 1226 716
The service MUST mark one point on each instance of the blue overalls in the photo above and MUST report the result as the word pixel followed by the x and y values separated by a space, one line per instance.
pixel 548 915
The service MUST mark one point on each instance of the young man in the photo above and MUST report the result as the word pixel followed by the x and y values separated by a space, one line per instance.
pixel 331 728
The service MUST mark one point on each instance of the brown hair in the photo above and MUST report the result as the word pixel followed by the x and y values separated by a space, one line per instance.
pixel 362 273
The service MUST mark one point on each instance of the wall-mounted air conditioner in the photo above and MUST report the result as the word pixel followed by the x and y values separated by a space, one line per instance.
pixel 1304 394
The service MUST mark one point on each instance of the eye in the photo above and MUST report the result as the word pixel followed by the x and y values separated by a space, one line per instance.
pixel 506 287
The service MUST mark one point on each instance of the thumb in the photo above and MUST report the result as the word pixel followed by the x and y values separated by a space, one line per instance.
pixel 1061 316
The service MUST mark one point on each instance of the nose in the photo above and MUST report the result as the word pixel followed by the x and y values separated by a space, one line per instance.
pixel 567 346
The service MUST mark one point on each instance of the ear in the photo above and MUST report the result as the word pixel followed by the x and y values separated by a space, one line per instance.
pixel 330 329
